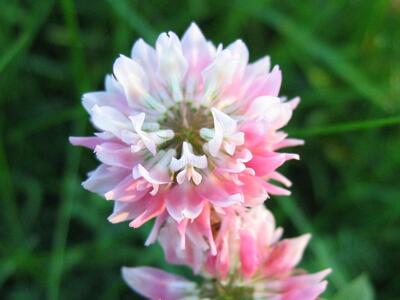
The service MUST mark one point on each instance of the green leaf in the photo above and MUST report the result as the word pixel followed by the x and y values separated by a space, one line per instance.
pixel 358 289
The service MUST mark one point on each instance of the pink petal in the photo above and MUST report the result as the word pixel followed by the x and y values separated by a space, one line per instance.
pixel 125 211
pixel 160 220
pixel 156 284
pixel 254 190
pixel 104 179
pixel 280 178
pixel 273 84
pixel 184 202
pixel 248 254
pixel 285 255
pixel 154 206
pixel 306 280
pixel 267 85
pixel 276 190
pixel 192 255
pixel 254 133
pixel 264 165
pixel 289 143
pixel 118 155
pixel 128 190
pixel 219 195
pixel 85 141
pixel 307 293
pixel 203 226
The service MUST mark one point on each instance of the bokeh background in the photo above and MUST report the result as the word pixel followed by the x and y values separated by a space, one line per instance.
pixel 342 58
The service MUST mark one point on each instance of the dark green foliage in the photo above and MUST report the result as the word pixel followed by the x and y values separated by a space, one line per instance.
pixel 341 57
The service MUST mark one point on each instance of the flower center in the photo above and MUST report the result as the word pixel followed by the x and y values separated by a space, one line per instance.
pixel 214 289
pixel 186 121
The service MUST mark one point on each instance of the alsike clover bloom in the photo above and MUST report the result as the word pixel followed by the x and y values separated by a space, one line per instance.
pixel 252 263
pixel 186 127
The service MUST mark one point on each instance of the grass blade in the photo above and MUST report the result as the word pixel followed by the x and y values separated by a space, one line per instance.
pixel 9 206
pixel 70 180
pixel 133 19
pixel 23 42
pixel 346 127
pixel 309 44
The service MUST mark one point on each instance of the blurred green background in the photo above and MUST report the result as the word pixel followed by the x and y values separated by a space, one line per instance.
pixel 342 58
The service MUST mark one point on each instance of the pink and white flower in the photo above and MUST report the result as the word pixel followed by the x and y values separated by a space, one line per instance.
pixel 251 259
pixel 187 127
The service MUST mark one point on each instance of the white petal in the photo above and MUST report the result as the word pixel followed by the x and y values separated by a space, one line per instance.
pixel 199 162
pixel 272 110
pixel 259 67
pixel 150 144
pixel 196 176
pixel 223 120
pixel 129 137
pixel 241 53
pixel 89 100
pixel 176 164
pixel 171 62
pixel 146 175
pixel 207 133
pixel 132 78
pixel 215 143
pixel 196 49
pixel 170 57
pixel 104 135
pixel 109 119
pixel 137 121
pixel 145 55
pixel 193 37
pixel 112 85
pixel 187 163
pixel 219 74
pixel 229 148
pixel 180 178
pixel 224 130
pixel 160 136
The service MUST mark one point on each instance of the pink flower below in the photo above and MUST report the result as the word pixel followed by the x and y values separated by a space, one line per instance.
pixel 250 259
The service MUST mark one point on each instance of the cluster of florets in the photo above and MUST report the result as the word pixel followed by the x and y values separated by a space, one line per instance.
pixel 189 134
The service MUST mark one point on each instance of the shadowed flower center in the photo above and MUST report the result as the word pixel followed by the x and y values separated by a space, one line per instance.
pixel 218 291
pixel 186 121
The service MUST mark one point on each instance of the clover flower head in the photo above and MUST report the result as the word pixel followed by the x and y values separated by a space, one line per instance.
pixel 251 262
pixel 187 127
